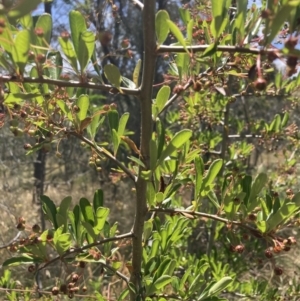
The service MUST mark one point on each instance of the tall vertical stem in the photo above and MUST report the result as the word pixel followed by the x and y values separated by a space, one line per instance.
pixel 146 133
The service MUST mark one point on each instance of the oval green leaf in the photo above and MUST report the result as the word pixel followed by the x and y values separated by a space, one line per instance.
pixel 162 97
pixel 112 73
pixel 83 104
pixel 161 26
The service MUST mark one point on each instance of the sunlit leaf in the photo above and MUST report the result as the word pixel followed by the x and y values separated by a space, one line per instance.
pixel 122 123
pixel 21 50
pixel 136 72
pixel 177 33
pixel 161 26
pixel 78 26
pixel 162 97
pixel 112 73
pixel 83 104
pixel 86 48
pixel 177 141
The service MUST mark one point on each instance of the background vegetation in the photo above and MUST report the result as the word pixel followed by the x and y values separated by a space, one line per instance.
pixel 213 181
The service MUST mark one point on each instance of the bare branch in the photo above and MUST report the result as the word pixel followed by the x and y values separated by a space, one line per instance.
pixel 74 251
pixel 15 239
pixel 122 276
pixel 149 64
pixel 185 87
pixel 202 48
pixel 75 84
pixel 206 215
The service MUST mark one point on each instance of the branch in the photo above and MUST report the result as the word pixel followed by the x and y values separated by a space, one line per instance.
pixel 206 215
pixel 106 153
pixel 202 48
pixel 138 3
pixel 81 249
pixel 141 209
pixel 15 239
pixel 61 83
pixel 185 87
pixel 122 276
pixel 244 136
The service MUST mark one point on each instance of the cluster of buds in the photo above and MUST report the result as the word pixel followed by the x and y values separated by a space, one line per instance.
pixel 69 288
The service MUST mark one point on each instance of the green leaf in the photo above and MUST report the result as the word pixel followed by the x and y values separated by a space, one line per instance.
pixel 136 72
pixel 275 125
pixel 162 281
pixel 44 22
pixel 177 141
pixel 21 49
pixel 258 184
pixel 137 161
pixel 55 67
pixel 128 83
pixel 87 211
pixel 161 26
pixel 95 124
pixel 189 30
pixel 83 104
pixel 210 50
pixel 150 194
pixel 96 66
pixel 78 26
pixel 90 232
pixel 24 259
pixel 116 141
pixel 148 226
pixel 101 216
pixel 122 123
pixel 86 48
pixel 220 17
pixel 98 199
pixel 23 8
pixel 285 119
pixel 199 165
pixel 216 288
pixel 177 33
pixel 153 154
pixel 63 210
pixel 113 119
pixel 62 242
pixel 113 75
pixel 246 186
pixel 212 172
pixel 69 52
pixel 185 15
pixel 282 214
pixel 49 209
pixel 162 97
pixel 64 107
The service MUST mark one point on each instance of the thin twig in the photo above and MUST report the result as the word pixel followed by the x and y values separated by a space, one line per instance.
pixel 105 153
pixel 5 289
pixel 75 84
pixel 185 87
pixel 138 3
pixel 72 251
pixel 15 239
pixel 122 276
pixel 222 48
pixel 244 136
pixel 206 215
